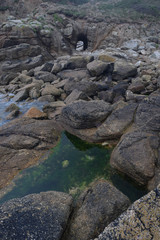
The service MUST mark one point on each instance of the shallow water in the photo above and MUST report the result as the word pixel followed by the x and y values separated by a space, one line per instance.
pixel 6 100
pixel 71 166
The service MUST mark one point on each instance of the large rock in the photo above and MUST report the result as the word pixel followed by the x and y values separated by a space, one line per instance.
pixel 118 121
pixel 123 70
pixel 51 90
pixel 97 67
pixel 6 78
pixel 87 87
pixel 72 74
pixel 156 55
pixel 19 65
pixel 96 208
pixel 134 156
pixel 22 142
pixel 45 76
pixel 148 114
pixel 140 221
pixel 19 52
pixel 36 216
pixel 79 62
pixel 82 114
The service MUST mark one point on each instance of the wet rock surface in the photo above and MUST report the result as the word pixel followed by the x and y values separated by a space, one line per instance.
pixel 36 216
pixel 22 143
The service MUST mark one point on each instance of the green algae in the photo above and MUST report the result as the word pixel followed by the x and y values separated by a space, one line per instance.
pixel 72 165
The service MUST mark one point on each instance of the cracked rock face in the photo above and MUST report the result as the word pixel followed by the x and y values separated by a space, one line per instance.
pixel 140 221
pixel 36 216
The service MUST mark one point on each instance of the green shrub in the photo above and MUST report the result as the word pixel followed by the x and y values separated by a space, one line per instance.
pixel 57 18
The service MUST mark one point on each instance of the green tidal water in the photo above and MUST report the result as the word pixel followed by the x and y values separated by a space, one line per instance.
pixel 72 165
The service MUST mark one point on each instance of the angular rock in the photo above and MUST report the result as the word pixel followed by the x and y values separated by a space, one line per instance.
pixel 34 93
pixel 13 114
pixel 46 98
pixel 7 78
pixel 140 221
pixel 72 74
pixel 12 107
pixel 123 70
pixel 36 216
pixel 97 67
pixel 20 65
pixel 137 87
pixel 136 97
pixel 75 95
pixel 96 208
pixel 35 114
pixel 22 142
pixel 53 109
pixel 18 142
pixel 87 87
pixel 148 114
pixel 106 96
pixel 79 62
pixel 135 157
pixel 82 114
pixel 21 95
pixel 156 55
pixel 46 67
pixel 117 122
pixel 45 76
pixel 51 90
pixel 19 52
pixel 106 58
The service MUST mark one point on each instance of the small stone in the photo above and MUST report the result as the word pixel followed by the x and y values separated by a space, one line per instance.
pixel 12 107
pixel 35 113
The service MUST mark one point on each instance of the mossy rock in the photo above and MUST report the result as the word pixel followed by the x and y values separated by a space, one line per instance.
pixel 106 58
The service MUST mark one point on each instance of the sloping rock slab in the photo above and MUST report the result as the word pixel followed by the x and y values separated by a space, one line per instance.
pixel 96 207
pixel 20 65
pixel 22 143
pixel 119 120
pixel 36 216
pixel 82 114
pixel 134 155
pixel 140 221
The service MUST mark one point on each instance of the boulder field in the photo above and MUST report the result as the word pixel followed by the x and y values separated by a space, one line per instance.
pixel 109 94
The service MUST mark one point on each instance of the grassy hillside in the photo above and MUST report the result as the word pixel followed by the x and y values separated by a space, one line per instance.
pixel 131 7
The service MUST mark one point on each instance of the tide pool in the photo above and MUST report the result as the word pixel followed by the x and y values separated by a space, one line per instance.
pixel 72 165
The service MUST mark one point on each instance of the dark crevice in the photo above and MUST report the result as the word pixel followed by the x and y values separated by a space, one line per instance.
pixel 83 37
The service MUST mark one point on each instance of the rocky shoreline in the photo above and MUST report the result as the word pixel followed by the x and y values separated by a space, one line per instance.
pixel 109 94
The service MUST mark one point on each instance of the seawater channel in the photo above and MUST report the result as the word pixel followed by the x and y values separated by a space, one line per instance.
pixel 70 167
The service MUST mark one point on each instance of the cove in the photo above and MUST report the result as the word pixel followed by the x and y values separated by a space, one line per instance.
pixel 72 165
